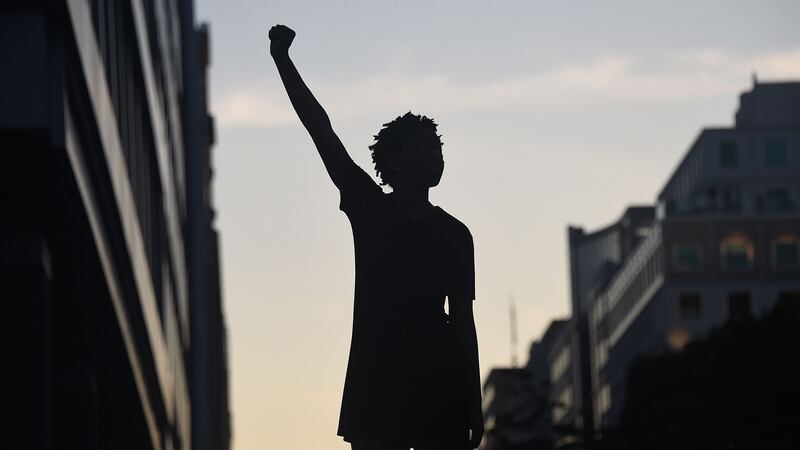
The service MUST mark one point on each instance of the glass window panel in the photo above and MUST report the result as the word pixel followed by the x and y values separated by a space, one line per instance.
pixel 786 253
pixel 686 256
pixel 728 155
pixel 736 256
pixel 737 252
pixel 775 154
pixel 778 200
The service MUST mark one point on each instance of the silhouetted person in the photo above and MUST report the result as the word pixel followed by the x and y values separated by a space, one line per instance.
pixel 412 376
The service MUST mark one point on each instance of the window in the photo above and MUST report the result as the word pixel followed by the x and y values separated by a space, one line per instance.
pixel 604 400
pixel 711 198
pixel 775 154
pixel 563 404
pixel 785 253
pixel 560 365
pixel 736 252
pixel 691 306
pixel 778 200
pixel 601 351
pixel 731 199
pixel 739 306
pixel 661 209
pixel 687 256
pixel 728 155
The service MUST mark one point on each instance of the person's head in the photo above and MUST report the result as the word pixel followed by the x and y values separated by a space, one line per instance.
pixel 408 153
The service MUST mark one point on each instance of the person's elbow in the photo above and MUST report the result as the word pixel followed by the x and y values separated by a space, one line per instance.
pixel 461 313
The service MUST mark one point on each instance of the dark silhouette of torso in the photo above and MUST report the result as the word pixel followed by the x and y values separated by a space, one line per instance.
pixel 402 373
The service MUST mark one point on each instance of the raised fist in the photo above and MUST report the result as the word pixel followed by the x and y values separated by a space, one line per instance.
pixel 280 38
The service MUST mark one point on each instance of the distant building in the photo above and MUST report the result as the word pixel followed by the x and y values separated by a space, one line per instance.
pixel 725 245
pixel 108 256
pixel 594 258
pixel 211 421
pixel 540 352
pixel 517 409
pixel 506 398
pixel 562 384
pixel 721 244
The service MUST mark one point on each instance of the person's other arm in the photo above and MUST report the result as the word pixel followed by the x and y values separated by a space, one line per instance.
pixel 463 323
pixel 312 115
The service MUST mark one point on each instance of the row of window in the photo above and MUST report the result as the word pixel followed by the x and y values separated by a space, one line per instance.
pixel 728 199
pixel 737 254
pixel 603 401
pixel 690 304
pixel 563 404
pixel 739 305
pixel 775 154
pixel 560 364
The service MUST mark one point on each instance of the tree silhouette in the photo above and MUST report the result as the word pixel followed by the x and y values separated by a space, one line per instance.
pixel 737 389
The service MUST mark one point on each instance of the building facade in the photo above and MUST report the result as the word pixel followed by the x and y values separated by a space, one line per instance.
pixel 725 245
pixel 561 381
pixel 594 258
pixel 517 410
pixel 107 227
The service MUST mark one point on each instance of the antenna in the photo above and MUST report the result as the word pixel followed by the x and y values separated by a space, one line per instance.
pixel 512 312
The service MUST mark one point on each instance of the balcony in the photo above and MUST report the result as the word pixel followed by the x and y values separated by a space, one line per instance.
pixel 640 277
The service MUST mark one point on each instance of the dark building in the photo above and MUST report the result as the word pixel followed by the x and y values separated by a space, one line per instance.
pixel 507 400
pixel 542 350
pixel 722 244
pixel 517 401
pixel 108 254
pixel 211 423
pixel 594 258
pixel 725 245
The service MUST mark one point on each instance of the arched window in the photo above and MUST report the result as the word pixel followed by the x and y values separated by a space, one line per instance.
pixel 785 252
pixel 736 252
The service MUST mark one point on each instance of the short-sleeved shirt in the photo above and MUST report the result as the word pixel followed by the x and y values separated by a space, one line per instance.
pixel 402 382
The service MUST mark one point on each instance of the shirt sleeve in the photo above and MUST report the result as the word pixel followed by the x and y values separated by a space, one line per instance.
pixel 461 276
pixel 358 191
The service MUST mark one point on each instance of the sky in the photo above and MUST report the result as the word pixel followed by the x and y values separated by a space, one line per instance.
pixel 552 114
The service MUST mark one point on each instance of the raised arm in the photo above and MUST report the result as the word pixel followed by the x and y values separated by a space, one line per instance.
pixel 312 115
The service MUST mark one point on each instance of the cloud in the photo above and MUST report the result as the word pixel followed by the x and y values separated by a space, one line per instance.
pixel 676 76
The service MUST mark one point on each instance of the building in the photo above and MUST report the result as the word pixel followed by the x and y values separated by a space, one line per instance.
pixel 517 411
pixel 725 245
pixel 108 254
pixel 541 351
pixel 506 399
pixel 211 422
pixel 561 383
pixel 594 258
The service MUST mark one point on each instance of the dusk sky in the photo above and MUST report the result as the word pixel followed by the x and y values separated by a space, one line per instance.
pixel 552 113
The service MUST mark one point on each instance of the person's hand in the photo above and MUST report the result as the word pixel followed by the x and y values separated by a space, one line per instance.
pixel 280 38
pixel 475 422
pixel 476 434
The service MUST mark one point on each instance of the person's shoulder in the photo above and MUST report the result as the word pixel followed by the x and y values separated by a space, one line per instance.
pixel 358 191
pixel 455 227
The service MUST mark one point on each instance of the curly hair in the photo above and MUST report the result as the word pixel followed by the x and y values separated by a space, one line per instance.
pixel 393 135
